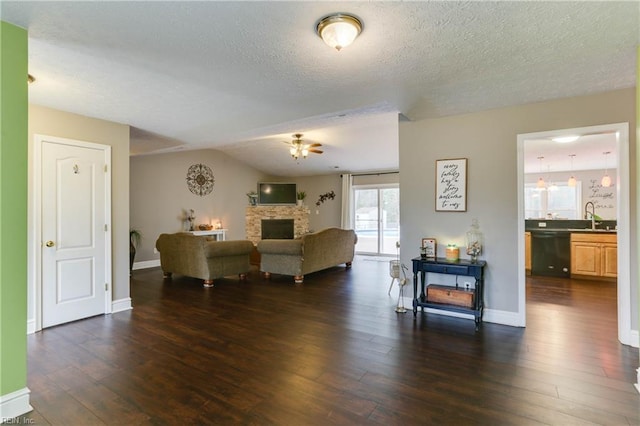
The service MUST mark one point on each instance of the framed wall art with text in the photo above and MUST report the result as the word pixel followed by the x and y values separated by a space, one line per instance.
pixel 451 185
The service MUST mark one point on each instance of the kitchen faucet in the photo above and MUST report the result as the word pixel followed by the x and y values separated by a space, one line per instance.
pixel 593 214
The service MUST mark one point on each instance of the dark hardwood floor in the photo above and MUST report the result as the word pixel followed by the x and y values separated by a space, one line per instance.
pixel 332 351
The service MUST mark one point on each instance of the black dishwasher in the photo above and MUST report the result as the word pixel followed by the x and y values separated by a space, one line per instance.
pixel 550 253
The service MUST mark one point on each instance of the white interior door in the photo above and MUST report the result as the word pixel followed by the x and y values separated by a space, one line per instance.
pixel 74 231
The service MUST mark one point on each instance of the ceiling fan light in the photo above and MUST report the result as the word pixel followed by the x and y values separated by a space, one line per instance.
pixel 572 181
pixel 606 181
pixel 305 152
pixel 339 30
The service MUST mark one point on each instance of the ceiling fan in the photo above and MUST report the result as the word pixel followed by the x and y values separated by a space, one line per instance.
pixel 297 147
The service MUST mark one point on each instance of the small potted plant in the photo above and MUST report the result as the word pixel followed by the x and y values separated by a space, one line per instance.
pixel 135 237
pixel 301 195
pixel 253 198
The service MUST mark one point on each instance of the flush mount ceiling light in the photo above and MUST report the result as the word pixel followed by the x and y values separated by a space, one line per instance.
pixel 339 30
pixel 565 139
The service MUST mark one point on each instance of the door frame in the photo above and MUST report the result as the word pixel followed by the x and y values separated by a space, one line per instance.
pixel 37 241
pixel 625 334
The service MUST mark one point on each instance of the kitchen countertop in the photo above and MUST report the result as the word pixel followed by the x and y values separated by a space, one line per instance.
pixel 570 225
pixel 574 230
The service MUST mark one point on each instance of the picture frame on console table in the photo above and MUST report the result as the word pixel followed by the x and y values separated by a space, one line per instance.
pixel 451 185
pixel 429 248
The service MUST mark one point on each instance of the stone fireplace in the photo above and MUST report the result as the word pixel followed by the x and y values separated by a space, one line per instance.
pixel 254 216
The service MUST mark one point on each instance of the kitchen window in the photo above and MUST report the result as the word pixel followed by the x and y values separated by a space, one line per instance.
pixel 557 201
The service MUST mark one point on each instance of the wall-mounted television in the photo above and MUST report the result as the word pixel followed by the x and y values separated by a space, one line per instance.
pixel 276 193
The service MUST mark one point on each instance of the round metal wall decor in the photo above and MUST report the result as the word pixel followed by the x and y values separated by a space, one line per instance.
pixel 200 179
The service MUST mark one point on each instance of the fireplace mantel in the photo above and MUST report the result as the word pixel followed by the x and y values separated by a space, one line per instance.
pixel 255 214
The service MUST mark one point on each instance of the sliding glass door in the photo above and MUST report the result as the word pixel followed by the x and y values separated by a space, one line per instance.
pixel 376 210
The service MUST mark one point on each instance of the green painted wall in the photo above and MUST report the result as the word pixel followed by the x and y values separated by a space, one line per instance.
pixel 13 208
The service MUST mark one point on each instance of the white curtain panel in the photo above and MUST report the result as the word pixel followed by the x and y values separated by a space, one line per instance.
pixel 347 183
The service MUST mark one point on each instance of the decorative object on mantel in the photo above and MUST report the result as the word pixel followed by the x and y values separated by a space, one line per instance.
pixel 474 241
pixel 301 195
pixel 324 197
pixel 200 179
pixel 253 198
pixel 451 185
pixel 190 220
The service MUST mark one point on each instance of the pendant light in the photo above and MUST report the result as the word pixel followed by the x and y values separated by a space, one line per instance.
pixel 572 180
pixel 541 184
pixel 551 186
pixel 606 180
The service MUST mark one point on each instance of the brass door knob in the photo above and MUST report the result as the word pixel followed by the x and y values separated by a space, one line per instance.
pixel 49 244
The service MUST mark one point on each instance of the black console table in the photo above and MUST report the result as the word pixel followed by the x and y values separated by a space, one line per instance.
pixel 444 266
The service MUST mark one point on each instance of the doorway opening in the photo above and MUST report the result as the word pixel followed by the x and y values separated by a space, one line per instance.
pixel 619 133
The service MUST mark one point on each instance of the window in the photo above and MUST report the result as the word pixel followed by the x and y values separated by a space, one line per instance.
pixel 376 218
pixel 560 201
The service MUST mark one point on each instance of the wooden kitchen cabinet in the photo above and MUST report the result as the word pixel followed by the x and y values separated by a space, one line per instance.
pixel 594 255
pixel 610 260
pixel 527 252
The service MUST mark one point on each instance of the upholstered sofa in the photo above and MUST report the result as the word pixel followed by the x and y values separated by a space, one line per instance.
pixel 309 253
pixel 200 257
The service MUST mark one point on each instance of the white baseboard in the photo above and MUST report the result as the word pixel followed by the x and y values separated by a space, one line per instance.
pixel 14 404
pixel 31 326
pixel 121 305
pixel 488 315
pixel 501 317
pixel 116 306
pixel 634 340
pixel 146 264
pixel 637 385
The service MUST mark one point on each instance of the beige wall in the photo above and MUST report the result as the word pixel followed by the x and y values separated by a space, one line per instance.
pixel 160 196
pixel 50 122
pixel 327 214
pixel 489 140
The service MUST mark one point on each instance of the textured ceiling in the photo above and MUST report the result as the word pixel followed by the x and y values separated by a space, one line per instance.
pixel 243 76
